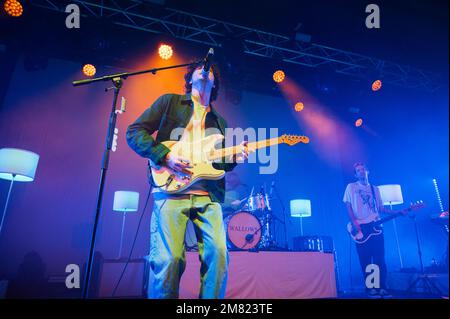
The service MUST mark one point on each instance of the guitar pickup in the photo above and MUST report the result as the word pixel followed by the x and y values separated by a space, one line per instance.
pixel 170 179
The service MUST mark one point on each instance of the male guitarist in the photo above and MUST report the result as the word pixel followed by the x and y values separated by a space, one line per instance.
pixel 364 204
pixel 201 202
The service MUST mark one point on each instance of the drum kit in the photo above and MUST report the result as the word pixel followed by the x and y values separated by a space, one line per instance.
pixel 252 227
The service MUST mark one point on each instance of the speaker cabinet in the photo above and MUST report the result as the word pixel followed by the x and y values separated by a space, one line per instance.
pixel 314 243
pixel 133 283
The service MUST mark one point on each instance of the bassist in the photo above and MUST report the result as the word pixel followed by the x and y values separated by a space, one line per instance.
pixel 364 206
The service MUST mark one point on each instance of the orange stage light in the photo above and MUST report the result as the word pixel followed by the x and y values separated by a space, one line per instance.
pixel 376 85
pixel 13 8
pixel 299 106
pixel 89 70
pixel 278 76
pixel 165 51
pixel 359 122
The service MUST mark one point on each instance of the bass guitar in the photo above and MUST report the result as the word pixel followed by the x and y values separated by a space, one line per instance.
pixel 373 228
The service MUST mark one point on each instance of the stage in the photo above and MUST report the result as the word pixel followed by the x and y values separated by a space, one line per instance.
pixel 269 275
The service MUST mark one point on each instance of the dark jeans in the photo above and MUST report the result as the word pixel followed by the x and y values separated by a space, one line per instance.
pixel 372 252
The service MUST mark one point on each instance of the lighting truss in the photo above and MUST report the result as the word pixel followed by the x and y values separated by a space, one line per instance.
pixel 139 14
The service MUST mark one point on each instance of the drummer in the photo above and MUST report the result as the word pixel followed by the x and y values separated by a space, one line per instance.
pixel 234 195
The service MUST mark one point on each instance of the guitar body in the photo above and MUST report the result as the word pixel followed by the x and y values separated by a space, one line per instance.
pixel 367 231
pixel 172 182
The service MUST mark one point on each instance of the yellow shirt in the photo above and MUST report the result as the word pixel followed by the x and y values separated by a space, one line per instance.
pixel 195 131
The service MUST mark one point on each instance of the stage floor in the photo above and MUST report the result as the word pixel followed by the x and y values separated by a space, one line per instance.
pixel 269 275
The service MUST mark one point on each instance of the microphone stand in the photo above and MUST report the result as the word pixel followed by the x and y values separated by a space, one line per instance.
pixel 428 285
pixel 117 80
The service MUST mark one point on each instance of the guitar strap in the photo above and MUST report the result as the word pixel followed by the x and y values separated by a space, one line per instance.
pixel 374 199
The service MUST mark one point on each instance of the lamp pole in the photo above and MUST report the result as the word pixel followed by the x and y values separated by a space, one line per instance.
pixel 396 240
pixel 7 201
pixel 121 233
pixel 301 225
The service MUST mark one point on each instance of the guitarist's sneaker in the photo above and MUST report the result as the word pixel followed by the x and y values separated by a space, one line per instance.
pixel 385 294
pixel 373 294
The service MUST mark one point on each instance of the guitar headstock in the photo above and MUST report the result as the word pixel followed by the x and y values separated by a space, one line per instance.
pixel 294 139
pixel 417 205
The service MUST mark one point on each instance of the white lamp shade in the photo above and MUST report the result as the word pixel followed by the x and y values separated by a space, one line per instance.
pixel 125 201
pixel 391 194
pixel 300 208
pixel 18 164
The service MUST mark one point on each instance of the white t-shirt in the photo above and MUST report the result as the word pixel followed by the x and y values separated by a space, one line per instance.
pixel 365 208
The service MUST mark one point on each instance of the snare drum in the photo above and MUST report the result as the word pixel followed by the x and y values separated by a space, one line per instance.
pixel 243 230
pixel 258 203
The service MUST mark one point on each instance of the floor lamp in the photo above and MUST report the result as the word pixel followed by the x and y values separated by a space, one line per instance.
pixel 124 202
pixel 16 165
pixel 391 194
pixel 300 208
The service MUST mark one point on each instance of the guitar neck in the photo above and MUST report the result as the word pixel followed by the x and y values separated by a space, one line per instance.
pixel 388 218
pixel 229 151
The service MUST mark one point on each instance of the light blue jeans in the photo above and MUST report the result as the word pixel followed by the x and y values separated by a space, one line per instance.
pixel 167 246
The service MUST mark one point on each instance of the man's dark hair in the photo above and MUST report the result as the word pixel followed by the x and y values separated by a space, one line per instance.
pixel 188 78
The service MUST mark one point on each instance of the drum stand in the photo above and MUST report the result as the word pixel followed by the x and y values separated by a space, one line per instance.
pixel 267 219
pixel 268 241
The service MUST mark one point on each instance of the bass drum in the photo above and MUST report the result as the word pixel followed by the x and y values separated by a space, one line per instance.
pixel 243 231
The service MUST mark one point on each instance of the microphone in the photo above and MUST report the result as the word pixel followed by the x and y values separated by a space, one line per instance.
pixel 207 62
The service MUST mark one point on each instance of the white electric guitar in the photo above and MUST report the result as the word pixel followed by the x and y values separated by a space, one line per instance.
pixel 201 155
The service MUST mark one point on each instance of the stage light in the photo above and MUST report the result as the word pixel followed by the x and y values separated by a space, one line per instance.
pixel 13 8
pixel 359 122
pixel 278 76
pixel 438 195
pixel 165 51
pixel 89 70
pixel 299 106
pixel 376 85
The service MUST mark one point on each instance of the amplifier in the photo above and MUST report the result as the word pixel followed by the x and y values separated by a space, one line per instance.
pixel 314 243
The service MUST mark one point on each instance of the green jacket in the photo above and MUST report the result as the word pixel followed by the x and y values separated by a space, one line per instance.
pixel 168 112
